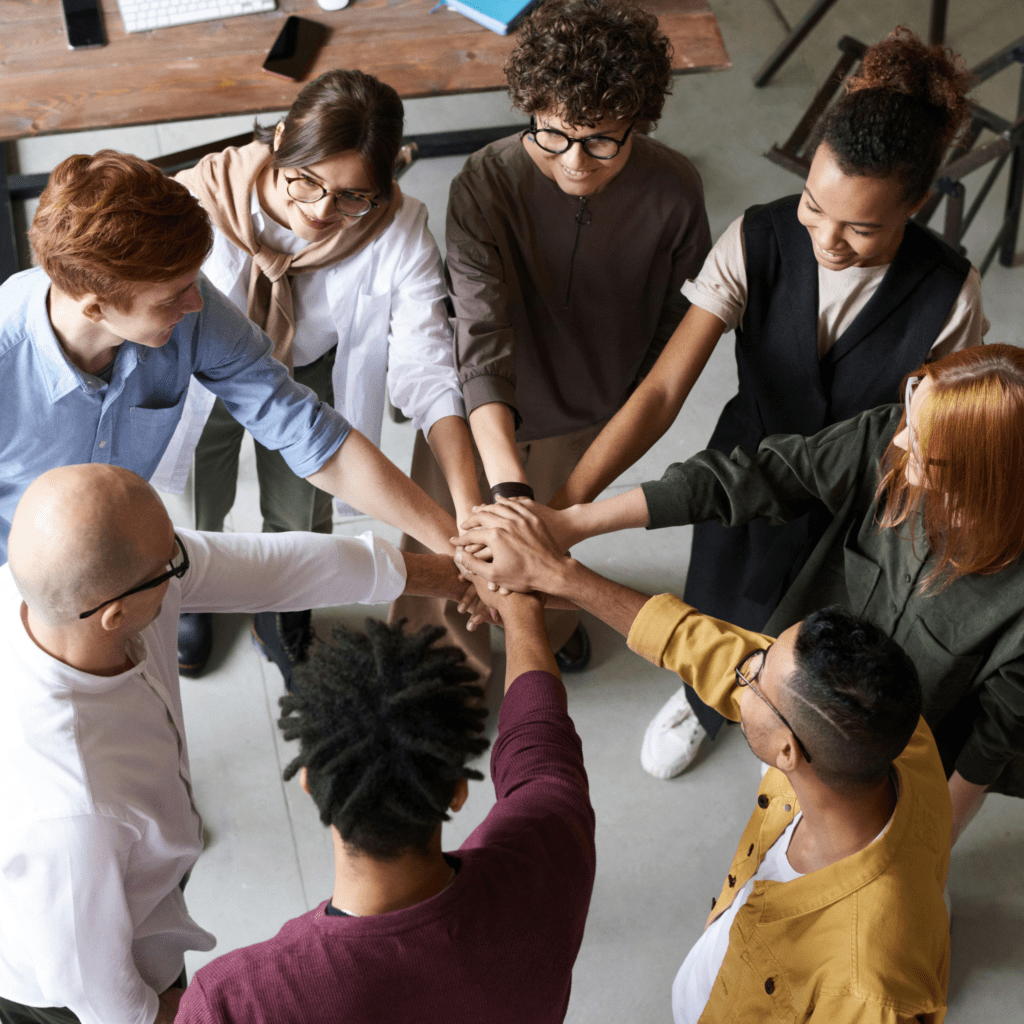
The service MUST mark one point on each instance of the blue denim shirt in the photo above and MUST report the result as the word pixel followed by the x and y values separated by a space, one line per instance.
pixel 54 414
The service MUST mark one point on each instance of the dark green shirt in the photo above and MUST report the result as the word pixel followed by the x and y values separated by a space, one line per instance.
pixel 967 639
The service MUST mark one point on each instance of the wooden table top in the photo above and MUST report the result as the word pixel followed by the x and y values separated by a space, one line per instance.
pixel 213 68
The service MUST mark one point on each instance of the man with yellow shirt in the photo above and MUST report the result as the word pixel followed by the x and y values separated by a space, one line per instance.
pixel 832 907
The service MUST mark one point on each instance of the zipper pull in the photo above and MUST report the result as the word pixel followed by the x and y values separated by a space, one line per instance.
pixel 583 215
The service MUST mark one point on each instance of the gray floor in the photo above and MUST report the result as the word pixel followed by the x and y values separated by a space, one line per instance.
pixel 662 846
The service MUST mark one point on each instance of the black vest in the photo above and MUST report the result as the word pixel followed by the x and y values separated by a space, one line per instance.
pixel 740 573
pixel 784 387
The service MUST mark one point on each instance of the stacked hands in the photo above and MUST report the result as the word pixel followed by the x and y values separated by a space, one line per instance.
pixel 514 546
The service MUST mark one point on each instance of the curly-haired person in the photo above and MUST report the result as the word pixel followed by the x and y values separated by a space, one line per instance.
pixel 386 722
pixel 568 245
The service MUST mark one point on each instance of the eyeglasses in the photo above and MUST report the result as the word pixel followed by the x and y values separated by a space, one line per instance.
pixel 912 383
pixel 177 570
pixel 600 147
pixel 351 204
pixel 753 663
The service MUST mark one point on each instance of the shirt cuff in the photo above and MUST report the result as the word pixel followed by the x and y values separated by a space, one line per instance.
pixel 489 387
pixel 389 570
pixel 722 308
pixel 449 404
pixel 976 767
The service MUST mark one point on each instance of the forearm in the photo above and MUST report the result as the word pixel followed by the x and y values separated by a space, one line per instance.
pixel 626 511
pixel 450 442
pixel 361 475
pixel 432 576
pixel 966 799
pixel 494 431
pixel 650 411
pixel 611 602
pixel 527 648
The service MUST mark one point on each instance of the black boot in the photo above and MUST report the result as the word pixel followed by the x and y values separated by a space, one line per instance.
pixel 195 641
pixel 283 638
pixel 574 655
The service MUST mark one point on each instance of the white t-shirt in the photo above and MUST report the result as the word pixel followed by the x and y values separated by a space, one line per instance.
pixel 692 988
pixel 721 289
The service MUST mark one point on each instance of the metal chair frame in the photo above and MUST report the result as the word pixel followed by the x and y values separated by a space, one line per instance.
pixel 965 157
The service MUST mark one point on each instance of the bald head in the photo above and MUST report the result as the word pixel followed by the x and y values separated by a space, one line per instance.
pixel 81 535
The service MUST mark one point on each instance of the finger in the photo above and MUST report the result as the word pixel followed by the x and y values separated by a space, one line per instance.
pixel 520 510
pixel 502 509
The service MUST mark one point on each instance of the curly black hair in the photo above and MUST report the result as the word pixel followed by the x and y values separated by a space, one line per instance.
pixel 385 727
pixel 900 112
pixel 590 60
pixel 854 698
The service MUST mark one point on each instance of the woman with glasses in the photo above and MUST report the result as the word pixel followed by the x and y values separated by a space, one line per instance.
pixel 317 244
pixel 834 295
pixel 568 245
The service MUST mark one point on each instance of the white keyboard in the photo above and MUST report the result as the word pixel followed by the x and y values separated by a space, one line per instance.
pixel 143 15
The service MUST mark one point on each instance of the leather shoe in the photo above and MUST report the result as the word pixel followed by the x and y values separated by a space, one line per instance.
pixel 283 638
pixel 195 641
pixel 574 655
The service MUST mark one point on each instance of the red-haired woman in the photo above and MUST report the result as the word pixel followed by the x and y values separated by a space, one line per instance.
pixel 834 295
pixel 926 533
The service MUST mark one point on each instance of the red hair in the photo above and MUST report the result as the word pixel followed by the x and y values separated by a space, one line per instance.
pixel 109 222
pixel 970 439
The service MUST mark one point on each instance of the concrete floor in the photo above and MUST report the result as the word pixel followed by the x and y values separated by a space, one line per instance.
pixel 662 846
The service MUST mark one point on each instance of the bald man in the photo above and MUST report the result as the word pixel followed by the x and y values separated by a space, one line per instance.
pixel 99 822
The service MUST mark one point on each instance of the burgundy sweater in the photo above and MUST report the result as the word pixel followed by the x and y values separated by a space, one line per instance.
pixel 497 945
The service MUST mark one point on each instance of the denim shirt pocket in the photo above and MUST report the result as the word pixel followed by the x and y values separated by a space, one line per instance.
pixel 150 431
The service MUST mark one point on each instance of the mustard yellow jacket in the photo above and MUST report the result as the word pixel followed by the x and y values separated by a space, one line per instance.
pixel 863 941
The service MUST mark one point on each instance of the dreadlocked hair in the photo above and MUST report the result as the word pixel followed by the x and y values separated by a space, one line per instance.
pixel 384 729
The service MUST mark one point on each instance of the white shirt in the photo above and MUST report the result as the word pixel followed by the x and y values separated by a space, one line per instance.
pixel 696 978
pixel 99 822
pixel 721 289
pixel 386 307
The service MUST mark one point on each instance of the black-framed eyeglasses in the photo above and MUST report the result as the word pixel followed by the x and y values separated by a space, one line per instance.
pixel 351 204
pixel 753 663
pixel 177 568
pixel 600 147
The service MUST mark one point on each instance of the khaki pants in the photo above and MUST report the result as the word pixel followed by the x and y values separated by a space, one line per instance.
pixel 547 463
pixel 287 501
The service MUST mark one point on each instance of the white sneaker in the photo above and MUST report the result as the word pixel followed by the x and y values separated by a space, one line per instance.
pixel 672 739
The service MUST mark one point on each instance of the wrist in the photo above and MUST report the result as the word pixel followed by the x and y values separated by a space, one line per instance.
pixel 511 489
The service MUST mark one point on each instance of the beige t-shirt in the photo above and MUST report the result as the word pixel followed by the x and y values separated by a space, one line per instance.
pixel 721 289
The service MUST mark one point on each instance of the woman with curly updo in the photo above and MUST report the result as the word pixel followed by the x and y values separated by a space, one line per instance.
pixel 568 245
pixel 835 295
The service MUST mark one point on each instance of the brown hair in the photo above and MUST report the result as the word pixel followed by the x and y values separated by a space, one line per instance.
pixel 109 222
pixel 341 111
pixel 590 60
pixel 970 441
pixel 900 112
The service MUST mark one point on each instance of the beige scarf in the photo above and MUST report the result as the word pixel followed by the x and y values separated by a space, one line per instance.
pixel 224 183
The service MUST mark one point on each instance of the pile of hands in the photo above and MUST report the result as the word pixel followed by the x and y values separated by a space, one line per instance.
pixel 514 547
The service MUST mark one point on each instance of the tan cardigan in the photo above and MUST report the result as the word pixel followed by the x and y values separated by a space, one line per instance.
pixel 864 940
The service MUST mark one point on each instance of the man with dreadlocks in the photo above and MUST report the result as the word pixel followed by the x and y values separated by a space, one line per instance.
pixel 386 722
pixel 100 825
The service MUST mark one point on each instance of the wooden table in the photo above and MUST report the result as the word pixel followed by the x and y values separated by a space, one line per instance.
pixel 213 68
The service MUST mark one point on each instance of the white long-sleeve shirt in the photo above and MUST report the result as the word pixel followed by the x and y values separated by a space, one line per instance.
pixel 99 823
pixel 384 307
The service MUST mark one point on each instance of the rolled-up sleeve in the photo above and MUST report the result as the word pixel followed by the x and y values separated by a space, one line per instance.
pixel 233 360
pixel 484 340
pixel 998 734
pixel 422 380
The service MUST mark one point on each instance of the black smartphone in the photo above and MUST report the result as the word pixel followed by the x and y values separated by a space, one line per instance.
pixel 83 23
pixel 295 47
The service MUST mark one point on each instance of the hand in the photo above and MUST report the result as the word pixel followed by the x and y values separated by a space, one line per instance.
pixel 500 602
pixel 478 611
pixel 524 555
pixel 560 523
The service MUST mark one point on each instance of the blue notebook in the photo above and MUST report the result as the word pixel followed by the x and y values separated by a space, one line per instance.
pixel 497 15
